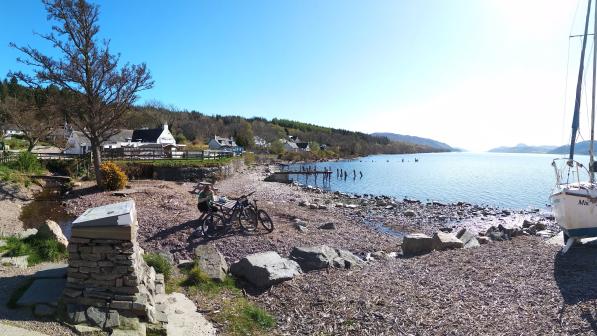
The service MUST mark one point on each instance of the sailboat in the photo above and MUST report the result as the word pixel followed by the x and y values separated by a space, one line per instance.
pixel 574 199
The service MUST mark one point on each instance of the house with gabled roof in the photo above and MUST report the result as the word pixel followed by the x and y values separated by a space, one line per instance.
pixel 160 135
pixel 78 143
pixel 225 144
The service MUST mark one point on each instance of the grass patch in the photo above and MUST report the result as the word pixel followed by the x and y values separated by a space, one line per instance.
pixel 237 314
pixel 242 317
pixel 197 279
pixel 18 292
pixel 160 264
pixel 38 249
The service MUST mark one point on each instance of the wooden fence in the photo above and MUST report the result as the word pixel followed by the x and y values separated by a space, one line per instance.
pixel 6 157
pixel 141 153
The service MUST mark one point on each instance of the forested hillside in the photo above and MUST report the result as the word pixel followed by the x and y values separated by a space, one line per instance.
pixel 197 128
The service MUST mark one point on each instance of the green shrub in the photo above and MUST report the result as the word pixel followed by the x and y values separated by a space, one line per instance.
pixel 159 263
pixel 27 162
pixel 113 178
pixel 37 248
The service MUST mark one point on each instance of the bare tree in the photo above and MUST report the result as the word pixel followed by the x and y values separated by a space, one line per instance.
pixel 88 69
pixel 35 112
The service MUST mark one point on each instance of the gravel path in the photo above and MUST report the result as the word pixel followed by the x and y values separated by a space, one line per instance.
pixel 515 287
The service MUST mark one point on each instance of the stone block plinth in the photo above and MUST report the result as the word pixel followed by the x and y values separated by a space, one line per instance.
pixel 107 278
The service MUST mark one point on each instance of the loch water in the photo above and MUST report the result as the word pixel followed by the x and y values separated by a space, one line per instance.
pixel 514 181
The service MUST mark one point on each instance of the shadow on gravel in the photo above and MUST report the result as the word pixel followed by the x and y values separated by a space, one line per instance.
pixel 194 223
pixel 82 192
pixel 10 290
pixel 576 276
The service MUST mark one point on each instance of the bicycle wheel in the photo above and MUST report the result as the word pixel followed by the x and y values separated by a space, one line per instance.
pixel 213 226
pixel 247 219
pixel 265 220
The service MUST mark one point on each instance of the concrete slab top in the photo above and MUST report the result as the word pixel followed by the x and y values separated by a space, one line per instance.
pixel 52 271
pixel 117 214
pixel 47 291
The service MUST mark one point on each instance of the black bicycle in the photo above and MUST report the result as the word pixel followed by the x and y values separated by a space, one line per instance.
pixel 217 223
pixel 262 217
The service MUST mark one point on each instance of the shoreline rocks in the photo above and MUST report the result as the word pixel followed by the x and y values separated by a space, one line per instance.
pixel 265 269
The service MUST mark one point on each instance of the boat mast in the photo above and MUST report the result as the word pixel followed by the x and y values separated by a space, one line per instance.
pixel 575 118
pixel 591 149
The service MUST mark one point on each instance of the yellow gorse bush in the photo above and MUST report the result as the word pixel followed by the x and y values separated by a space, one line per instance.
pixel 113 178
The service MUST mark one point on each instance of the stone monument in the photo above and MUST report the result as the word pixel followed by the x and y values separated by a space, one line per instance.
pixel 108 282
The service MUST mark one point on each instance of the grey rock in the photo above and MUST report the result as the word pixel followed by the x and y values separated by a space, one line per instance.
pixel 20 262
pixel 409 213
pixel 112 319
pixel 75 313
pixel 95 316
pixel 446 241
pixel 350 260
pixel 187 321
pixel 327 226
pixel 483 240
pixel 212 262
pixel 85 330
pixel 468 238
pixel 301 228
pixel 2 243
pixel 265 269
pixel 416 244
pixel 313 258
pixel 51 230
pixel 26 234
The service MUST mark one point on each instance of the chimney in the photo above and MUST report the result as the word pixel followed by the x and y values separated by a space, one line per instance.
pixel 165 127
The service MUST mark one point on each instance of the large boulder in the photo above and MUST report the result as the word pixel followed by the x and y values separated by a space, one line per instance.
pixel 265 269
pixel 313 258
pixel 416 244
pixel 446 241
pixel 51 230
pixel 468 238
pixel 212 262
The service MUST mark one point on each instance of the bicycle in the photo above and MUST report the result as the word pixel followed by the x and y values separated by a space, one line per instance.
pixel 215 224
pixel 262 217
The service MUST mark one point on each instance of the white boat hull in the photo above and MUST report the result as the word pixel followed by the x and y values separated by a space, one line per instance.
pixel 575 210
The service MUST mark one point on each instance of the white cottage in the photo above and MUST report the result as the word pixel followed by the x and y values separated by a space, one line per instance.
pixel 78 143
pixel 160 135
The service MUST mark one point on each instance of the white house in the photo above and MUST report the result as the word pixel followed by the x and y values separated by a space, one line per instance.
pixel 225 144
pixel 294 144
pixel 260 142
pixel 289 146
pixel 160 135
pixel 10 130
pixel 78 143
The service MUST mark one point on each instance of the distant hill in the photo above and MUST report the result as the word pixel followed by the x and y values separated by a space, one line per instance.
pixel 416 140
pixel 522 148
pixel 580 148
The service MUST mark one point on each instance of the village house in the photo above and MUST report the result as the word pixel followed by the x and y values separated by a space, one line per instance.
pixel 78 143
pixel 9 130
pixel 225 144
pixel 294 144
pixel 261 142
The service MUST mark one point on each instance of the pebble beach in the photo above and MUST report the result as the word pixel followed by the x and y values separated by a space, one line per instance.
pixel 518 286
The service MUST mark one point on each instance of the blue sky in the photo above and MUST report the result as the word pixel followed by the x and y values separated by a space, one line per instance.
pixel 493 71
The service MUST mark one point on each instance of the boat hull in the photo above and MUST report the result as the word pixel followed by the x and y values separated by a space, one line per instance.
pixel 575 211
